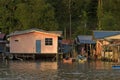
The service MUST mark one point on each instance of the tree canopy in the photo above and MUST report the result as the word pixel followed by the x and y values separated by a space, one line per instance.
pixel 86 15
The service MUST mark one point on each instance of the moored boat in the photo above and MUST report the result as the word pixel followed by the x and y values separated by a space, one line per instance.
pixel 81 58
pixel 67 60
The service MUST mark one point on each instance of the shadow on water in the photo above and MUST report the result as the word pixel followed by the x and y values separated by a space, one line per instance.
pixel 47 70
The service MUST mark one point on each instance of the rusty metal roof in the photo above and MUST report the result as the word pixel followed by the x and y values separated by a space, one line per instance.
pixel 2 36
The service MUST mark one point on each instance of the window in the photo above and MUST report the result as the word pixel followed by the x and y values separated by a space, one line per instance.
pixel 48 41
pixel 16 40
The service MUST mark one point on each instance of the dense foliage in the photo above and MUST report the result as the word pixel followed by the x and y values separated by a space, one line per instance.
pixel 84 15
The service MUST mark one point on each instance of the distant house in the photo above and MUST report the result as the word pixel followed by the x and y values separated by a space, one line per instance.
pixel 86 42
pixel 2 43
pixel 66 47
pixel 34 41
pixel 108 43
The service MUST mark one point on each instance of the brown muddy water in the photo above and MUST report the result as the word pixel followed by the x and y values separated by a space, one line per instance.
pixel 46 70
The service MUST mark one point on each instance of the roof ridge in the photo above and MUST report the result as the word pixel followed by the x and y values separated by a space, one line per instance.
pixel 28 31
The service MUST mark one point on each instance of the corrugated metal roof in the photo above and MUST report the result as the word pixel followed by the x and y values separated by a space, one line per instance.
pixel 87 42
pixel 34 30
pixel 103 34
pixel 85 39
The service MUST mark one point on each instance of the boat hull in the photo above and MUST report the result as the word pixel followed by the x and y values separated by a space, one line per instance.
pixel 67 60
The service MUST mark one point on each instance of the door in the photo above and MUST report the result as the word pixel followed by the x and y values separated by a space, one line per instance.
pixel 38 46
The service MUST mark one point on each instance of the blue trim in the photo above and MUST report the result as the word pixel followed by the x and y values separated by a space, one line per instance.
pixel 116 67
pixel 103 34
pixel 38 46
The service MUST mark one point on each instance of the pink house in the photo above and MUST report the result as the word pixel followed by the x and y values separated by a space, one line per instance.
pixel 34 41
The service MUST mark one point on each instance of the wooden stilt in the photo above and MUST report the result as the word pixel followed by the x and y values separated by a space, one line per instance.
pixel 33 56
pixel 56 57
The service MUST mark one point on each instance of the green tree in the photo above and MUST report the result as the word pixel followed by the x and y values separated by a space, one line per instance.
pixel 23 16
pixel 36 13
pixel 109 22
pixel 6 15
pixel 86 15
pixel 110 15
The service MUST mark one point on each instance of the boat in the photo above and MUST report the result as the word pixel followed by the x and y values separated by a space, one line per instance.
pixel 67 60
pixel 81 59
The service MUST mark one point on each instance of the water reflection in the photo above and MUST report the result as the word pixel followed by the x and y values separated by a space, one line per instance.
pixel 97 65
pixel 31 66
pixel 93 70
pixel 28 70
pixel 45 70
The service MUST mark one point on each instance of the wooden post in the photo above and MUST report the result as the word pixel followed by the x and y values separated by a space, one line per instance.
pixel 56 57
pixel 33 56
pixel 3 56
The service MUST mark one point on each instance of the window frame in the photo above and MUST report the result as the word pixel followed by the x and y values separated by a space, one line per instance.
pixel 16 40
pixel 48 41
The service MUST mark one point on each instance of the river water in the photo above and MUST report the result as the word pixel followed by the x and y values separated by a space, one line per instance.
pixel 47 70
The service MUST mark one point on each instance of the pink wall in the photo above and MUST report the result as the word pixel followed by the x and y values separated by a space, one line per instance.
pixel 44 48
pixel 27 43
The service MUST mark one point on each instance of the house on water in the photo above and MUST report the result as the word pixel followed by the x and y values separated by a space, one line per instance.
pixel 66 48
pixel 34 42
pixel 2 44
pixel 85 45
pixel 107 44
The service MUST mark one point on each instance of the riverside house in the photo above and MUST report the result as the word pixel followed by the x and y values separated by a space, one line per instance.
pixel 2 44
pixel 86 43
pixel 107 44
pixel 34 42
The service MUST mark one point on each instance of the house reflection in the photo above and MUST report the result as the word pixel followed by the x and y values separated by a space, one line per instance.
pixel 48 65
pixel 33 66
pixel 100 65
